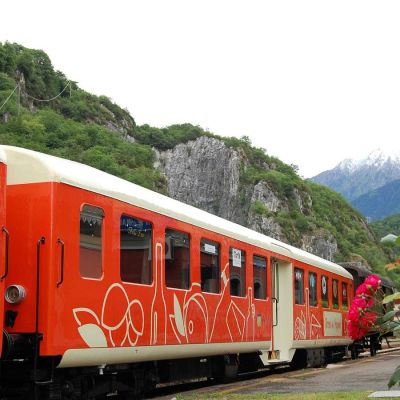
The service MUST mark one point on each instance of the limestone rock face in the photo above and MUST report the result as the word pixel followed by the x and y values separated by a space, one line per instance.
pixel 303 200
pixel 322 243
pixel 206 173
pixel 263 193
pixel 24 97
pixel 266 225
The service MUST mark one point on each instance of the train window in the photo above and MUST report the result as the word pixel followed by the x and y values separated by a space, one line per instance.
pixel 312 288
pixel 90 251
pixel 260 277
pixel 335 293
pixel 177 253
pixel 299 285
pixel 345 300
pixel 210 268
pixel 325 291
pixel 136 250
pixel 237 275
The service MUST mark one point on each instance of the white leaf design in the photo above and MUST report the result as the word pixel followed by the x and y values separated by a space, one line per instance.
pixel 93 335
pixel 178 317
pixel 77 311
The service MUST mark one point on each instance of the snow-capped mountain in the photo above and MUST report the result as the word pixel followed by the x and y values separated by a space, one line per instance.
pixel 354 178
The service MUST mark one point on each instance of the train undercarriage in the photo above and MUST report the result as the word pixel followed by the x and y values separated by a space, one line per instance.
pixel 27 379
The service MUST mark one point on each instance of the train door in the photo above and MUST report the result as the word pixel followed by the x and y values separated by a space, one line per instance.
pixel 3 240
pixel 282 311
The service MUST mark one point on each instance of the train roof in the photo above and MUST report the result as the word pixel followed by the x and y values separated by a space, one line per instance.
pixel 27 166
pixel 2 156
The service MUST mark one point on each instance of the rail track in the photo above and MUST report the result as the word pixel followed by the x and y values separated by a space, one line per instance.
pixel 168 392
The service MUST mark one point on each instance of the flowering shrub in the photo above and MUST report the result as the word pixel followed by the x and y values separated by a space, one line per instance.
pixel 361 319
pixel 368 314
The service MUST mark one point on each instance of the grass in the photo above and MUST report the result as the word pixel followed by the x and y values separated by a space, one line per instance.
pixel 285 396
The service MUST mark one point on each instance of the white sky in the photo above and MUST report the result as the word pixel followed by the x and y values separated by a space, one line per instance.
pixel 312 82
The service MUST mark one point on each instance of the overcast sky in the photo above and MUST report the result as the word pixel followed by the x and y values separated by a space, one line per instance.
pixel 312 82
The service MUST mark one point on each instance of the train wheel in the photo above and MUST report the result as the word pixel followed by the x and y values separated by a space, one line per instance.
pixel 299 360
pixel 64 390
pixel 225 368
pixel 373 344
pixel 54 391
pixel 354 353
pixel 88 385
pixel 231 367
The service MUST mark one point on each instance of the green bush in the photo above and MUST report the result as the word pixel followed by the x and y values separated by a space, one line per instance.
pixel 169 137
pixel 259 208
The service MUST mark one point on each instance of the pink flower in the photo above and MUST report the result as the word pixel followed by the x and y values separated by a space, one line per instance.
pixel 362 290
pixel 355 331
pixel 370 302
pixel 373 282
pixel 368 319
pixel 353 314
pixel 359 303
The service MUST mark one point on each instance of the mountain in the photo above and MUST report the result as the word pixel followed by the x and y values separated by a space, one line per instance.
pixel 380 203
pixel 42 110
pixel 354 178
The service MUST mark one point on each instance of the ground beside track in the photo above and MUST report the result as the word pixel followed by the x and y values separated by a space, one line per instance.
pixel 365 374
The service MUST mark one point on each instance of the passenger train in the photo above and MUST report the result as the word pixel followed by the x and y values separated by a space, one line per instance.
pixel 110 288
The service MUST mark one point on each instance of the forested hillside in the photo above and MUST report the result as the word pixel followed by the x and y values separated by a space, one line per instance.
pixel 42 110
pixel 73 124
pixel 386 226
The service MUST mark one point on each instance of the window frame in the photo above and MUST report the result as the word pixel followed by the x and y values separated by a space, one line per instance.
pixel 265 276
pixel 311 273
pixel 335 306
pixel 189 259
pixel 216 244
pixel 299 270
pixel 102 241
pixel 328 302
pixel 243 272
pixel 151 261
pixel 345 306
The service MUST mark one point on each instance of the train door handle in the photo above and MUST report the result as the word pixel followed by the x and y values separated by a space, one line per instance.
pixel 4 229
pixel 60 242
pixel 276 310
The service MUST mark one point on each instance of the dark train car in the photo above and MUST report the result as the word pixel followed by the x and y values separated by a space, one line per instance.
pixel 359 272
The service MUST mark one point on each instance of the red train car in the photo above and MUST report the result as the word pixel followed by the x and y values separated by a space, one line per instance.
pixel 111 287
pixel 4 233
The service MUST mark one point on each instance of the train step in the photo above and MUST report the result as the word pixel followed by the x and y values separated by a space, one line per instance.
pixel 273 357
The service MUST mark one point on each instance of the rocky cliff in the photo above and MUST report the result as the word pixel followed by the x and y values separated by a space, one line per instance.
pixel 205 173
pixel 208 174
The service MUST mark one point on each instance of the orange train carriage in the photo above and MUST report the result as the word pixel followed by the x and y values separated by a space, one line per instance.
pixel 111 288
